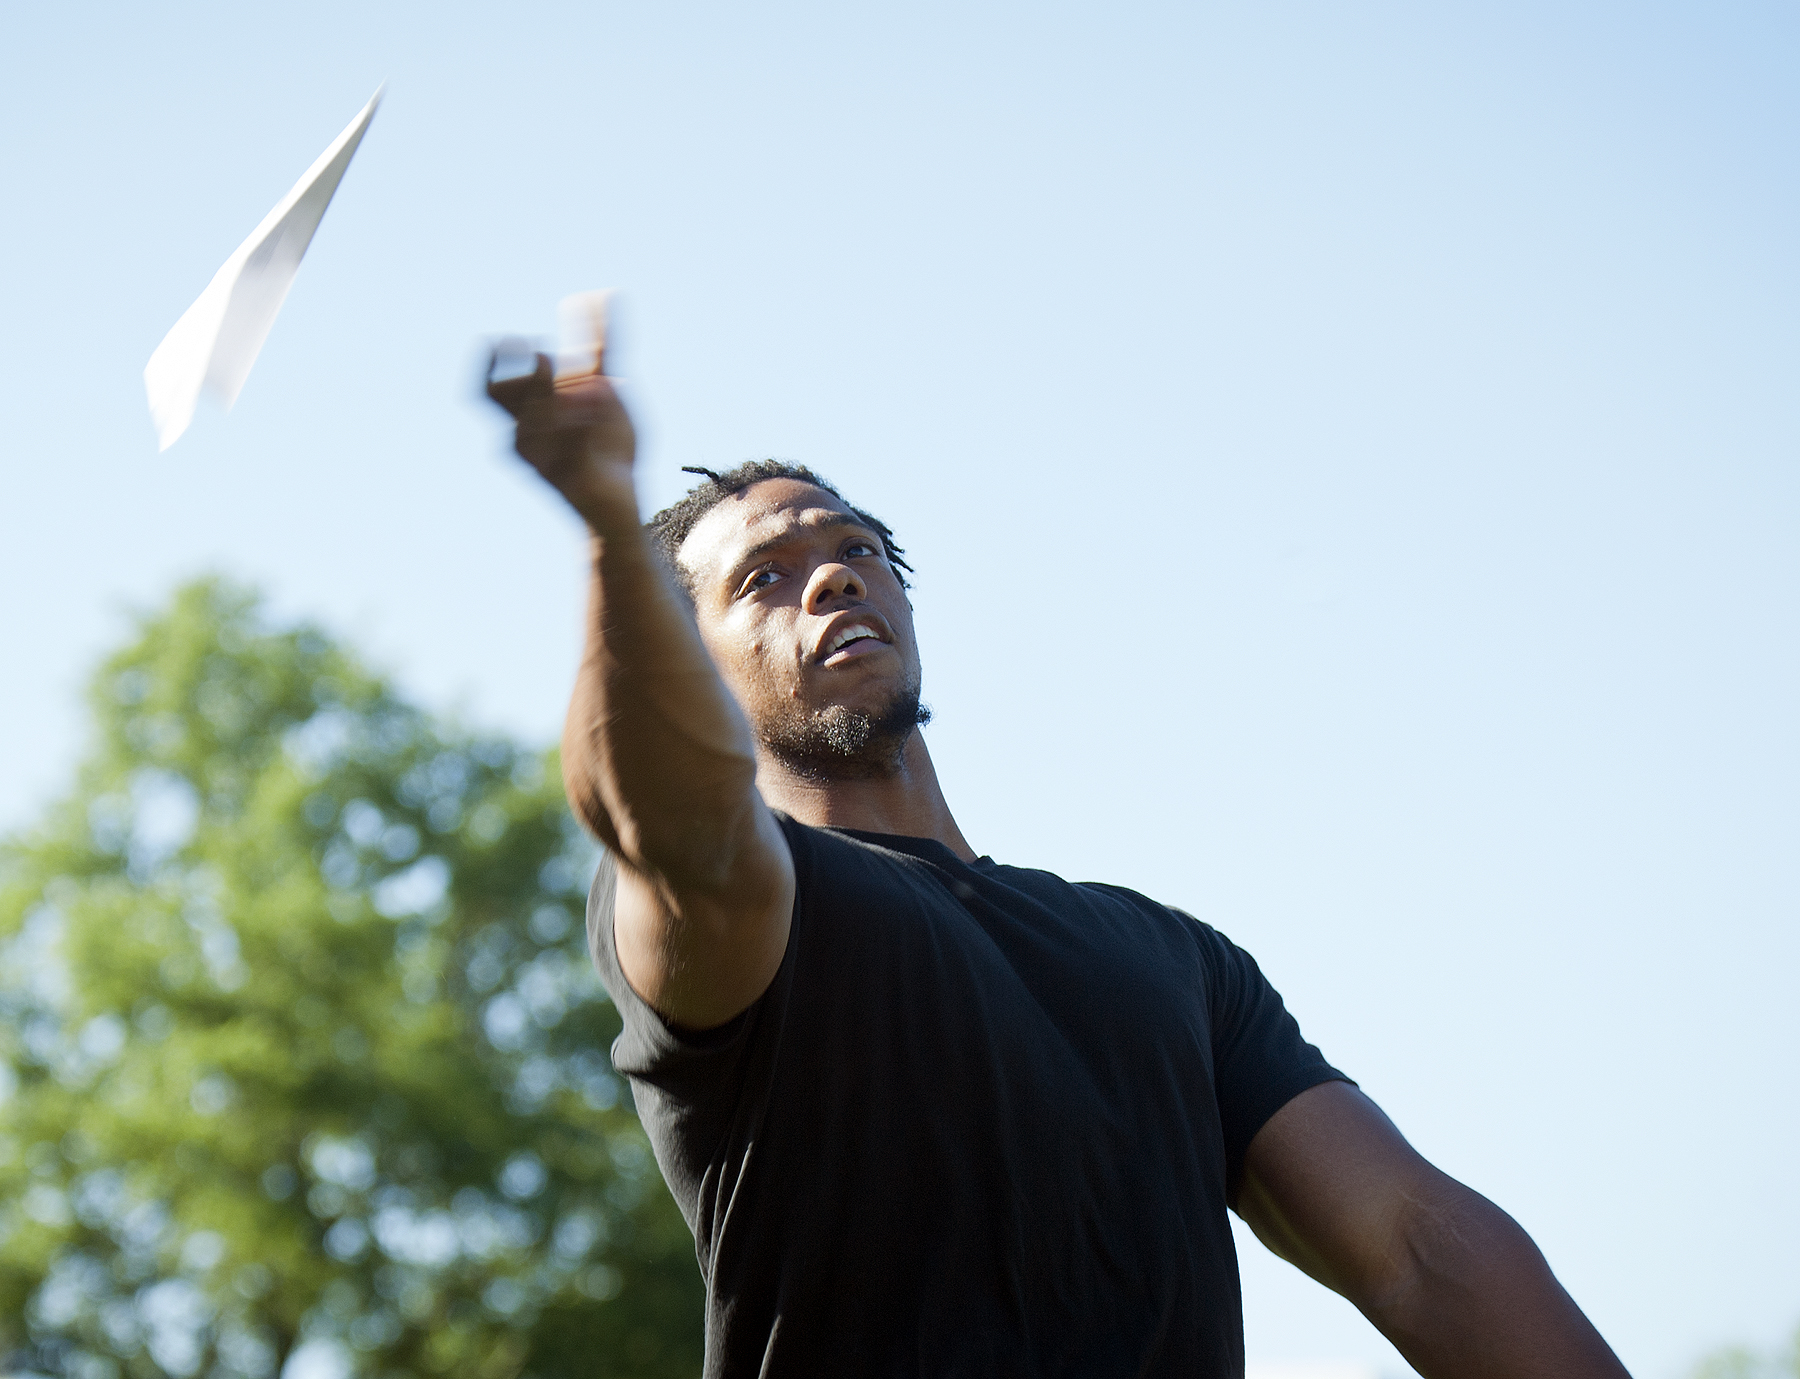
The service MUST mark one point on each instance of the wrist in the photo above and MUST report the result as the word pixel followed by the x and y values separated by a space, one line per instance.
pixel 606 497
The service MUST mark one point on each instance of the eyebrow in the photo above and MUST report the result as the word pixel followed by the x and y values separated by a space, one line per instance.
pixel 839 522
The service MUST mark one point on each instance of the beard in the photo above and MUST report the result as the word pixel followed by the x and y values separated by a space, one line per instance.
pixel 839 743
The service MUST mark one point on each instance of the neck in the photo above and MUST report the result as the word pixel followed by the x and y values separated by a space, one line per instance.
pixel 909 802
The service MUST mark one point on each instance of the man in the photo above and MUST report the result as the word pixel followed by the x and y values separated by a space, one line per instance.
pixel 927 1115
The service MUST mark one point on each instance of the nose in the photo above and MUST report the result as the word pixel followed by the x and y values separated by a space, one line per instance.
pixel 829 583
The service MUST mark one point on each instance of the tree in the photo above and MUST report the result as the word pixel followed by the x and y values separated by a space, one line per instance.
pixel 1738 1362
pixel 302 1061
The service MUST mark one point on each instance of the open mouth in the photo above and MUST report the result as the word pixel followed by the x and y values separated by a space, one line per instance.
pixel 850 636
pixel 857 636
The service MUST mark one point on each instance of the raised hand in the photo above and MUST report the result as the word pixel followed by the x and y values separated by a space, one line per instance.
pixel 572 426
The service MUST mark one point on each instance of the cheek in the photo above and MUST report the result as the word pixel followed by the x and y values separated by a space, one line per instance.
pixel 756 661
pixel 777 666
pixel 900 619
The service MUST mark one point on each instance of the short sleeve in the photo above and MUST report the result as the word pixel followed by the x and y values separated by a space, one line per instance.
pixel 1260 1059
pixel 649 1047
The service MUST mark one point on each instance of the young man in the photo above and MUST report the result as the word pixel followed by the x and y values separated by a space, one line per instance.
pixel 928 1115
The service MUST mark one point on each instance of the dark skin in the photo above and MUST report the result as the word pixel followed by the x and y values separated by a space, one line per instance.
pixel 669 757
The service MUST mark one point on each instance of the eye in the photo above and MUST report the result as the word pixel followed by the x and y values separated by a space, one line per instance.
pixel 860 549
pixel 762 579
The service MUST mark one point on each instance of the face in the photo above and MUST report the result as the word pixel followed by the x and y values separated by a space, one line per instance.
pixel 809 625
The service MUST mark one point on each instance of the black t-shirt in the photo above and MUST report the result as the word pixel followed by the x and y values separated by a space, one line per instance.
pixel 983 1123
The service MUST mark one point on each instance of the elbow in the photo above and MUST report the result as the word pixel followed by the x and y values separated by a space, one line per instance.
pixel 581 787
pixel 1448 1247
pixel 697 851
pixel 678 812
pixel 1435 1223
pixel 694 843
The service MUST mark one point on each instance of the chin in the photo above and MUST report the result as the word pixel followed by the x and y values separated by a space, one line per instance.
pixel 857 738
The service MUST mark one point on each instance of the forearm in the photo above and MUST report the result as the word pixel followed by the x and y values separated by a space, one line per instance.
pixel 1330 1185
pixel 1471 1297
pixel 657 757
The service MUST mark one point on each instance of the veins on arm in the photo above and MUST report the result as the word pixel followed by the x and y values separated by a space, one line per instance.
pixel 1331 1186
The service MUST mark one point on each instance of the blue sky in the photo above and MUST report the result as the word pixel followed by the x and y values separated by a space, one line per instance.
pixel 1349 454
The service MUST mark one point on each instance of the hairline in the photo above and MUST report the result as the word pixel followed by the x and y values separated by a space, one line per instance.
pixel 847 516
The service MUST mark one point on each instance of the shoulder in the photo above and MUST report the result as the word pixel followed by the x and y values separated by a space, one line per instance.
pixel 1109 897
pixel 835 862
pixel 1228 969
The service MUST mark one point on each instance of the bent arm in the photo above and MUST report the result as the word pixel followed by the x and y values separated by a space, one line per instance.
pixel 1332 1187
pixel 658 760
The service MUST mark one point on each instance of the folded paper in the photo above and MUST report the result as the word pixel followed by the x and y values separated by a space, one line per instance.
pixel 581 335
pixel 218 338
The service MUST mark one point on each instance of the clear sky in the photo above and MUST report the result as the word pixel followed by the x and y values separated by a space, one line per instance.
pixel 1349 455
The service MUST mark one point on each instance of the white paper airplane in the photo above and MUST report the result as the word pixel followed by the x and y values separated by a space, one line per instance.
pixel 581 334
pixel 218 338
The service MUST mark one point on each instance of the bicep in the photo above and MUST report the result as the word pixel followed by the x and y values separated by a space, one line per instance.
pixel 701 956
pixel 1331 1186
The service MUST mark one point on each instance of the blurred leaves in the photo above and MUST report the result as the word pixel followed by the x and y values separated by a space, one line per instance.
pixel 301 1057
pixel 1737 1362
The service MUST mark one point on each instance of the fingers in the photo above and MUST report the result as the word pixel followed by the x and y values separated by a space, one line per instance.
pixel 558 398
pixel 509 385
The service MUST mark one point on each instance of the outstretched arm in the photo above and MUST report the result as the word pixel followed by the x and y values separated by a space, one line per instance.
pixel 657 758
pixel 1332 1187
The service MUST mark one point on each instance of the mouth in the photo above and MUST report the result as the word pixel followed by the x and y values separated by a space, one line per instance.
pixel 856 636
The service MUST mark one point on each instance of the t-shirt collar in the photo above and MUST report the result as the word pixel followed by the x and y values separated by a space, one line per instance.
pixel 925 849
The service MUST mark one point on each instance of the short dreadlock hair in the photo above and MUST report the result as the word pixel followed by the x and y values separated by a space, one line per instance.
pixel 670 527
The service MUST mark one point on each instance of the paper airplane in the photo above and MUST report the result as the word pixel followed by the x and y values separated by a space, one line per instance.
pixel 218 338
pixel 581 335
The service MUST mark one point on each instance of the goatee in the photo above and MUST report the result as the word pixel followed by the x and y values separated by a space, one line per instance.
pixel 839 743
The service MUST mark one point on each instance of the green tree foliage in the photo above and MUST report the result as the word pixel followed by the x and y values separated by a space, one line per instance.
pixel 301 1056
pixel 1738 1362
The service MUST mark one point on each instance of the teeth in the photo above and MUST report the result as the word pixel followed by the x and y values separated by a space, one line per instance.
pixel 850 634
